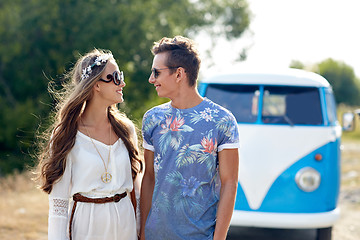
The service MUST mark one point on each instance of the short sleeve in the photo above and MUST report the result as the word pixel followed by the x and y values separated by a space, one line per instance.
pixel 148 124
pixel 229 132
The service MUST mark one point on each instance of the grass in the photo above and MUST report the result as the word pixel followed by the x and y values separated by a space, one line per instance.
pixel 24 209
pixel 350 156
pixel 350 166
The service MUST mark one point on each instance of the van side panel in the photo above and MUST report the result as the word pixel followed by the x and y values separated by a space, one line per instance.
pixel 284 196
pixel 202 88
pixel 333 170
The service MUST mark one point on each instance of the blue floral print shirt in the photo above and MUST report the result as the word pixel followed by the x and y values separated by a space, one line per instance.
pixel 186 143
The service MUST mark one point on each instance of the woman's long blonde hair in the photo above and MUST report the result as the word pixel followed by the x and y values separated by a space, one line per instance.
pixel 60 137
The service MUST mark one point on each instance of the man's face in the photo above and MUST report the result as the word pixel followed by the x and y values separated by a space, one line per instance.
pixel 162 78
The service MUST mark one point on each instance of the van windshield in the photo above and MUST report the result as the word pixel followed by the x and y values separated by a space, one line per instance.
pixel 291 105
pixel 288 105
pixel 241 100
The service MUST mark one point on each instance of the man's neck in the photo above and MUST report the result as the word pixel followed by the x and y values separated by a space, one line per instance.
pixel 187 99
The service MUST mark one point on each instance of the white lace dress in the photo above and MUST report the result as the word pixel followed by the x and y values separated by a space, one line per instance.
pixel 83 175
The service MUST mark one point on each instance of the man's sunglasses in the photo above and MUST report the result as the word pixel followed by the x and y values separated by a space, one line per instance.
pixel 116 77
pixel 156 71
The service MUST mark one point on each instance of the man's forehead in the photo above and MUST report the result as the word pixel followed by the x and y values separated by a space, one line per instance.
pixel 159 59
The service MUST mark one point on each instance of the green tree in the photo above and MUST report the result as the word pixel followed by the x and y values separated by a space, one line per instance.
pixel 297 64
pixel 341 76
pixel 40 39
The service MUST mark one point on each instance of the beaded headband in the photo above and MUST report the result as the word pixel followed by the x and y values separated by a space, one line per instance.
pixel 98 61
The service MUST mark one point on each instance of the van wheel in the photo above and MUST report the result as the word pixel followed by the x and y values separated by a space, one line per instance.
pixel 323 233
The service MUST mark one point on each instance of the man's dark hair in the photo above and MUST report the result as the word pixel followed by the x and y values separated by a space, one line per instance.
pixel 181 52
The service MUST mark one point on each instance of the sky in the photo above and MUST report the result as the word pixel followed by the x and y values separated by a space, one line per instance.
pixel 280 31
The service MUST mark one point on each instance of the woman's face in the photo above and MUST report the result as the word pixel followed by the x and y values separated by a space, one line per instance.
pixel 111 84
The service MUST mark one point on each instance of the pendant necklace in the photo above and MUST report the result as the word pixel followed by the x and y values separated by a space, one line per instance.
pixel 106 176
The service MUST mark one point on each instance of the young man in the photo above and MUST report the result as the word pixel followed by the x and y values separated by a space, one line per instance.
pixel 191 153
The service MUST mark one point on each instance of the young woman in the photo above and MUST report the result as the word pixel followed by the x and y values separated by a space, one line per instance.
pixel 91 156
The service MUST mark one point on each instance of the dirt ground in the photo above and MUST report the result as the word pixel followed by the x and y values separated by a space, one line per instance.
pixel 24 209
pixel 348 227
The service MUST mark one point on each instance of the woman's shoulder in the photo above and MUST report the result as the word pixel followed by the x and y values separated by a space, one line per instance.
pixel 131 127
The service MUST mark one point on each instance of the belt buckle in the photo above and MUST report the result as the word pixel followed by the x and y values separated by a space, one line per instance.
pixel 116 198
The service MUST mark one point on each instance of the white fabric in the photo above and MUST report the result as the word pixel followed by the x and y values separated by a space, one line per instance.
pixel 82 174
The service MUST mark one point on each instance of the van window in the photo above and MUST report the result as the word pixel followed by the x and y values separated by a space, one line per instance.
pixel 273 104
pixel 330 106
pixel 241 100
pixel 291 105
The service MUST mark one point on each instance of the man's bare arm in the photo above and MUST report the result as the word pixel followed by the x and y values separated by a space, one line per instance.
pixel 228 169
pixel 147 189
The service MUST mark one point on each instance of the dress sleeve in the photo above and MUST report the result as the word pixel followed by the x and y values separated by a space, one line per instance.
pixel 137 187
pixel 59 206
pixel 137 183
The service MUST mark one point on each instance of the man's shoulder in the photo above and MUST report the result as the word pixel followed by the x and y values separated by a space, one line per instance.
pixel 158 109
pixel 214 106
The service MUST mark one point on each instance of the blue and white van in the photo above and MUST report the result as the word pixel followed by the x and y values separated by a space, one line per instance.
pixel 289 175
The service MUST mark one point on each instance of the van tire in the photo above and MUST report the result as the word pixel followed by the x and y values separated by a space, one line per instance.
pixel 323 233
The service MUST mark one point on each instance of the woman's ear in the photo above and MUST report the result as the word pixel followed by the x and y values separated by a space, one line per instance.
pixel 96 87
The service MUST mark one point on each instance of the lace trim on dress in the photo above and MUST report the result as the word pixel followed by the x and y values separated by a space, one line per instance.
pixel 58 207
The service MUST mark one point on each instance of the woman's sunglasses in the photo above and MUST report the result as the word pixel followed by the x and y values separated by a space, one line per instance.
pixel 116 77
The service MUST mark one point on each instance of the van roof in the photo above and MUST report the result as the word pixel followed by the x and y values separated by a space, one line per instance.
pixel 288 77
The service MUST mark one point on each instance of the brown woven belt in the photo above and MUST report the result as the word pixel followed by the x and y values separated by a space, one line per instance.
pixel 80 198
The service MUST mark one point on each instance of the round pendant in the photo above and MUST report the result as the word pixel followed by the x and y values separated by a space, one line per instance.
pixel 106 177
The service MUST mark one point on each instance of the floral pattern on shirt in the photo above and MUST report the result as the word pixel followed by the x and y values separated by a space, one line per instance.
pixel 185 144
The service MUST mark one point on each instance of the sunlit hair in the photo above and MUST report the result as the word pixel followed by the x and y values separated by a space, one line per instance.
pixel 181 52
pixel 60 137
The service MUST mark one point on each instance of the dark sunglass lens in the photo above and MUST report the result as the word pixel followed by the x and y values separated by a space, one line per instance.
pixel 156 73
pixel 122 79
pixel 117 79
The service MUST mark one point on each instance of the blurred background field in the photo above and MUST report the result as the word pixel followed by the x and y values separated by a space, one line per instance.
pixel 24 209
